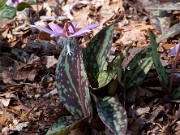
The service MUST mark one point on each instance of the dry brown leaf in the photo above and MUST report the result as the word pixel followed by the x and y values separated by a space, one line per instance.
pixel 142 110
pixel 50 61
pixel 18 126
pixel 155 112
pixel 5 102
pixel 23 74
pixel 134 36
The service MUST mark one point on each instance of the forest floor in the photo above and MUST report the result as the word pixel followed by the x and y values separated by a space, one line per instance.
pixel 29 103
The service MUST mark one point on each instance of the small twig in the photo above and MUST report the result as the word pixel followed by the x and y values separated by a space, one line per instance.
pixel 37 2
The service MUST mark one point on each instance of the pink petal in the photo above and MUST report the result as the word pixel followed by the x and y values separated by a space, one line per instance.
pixel 12 4
pixel 71 29
pixel 84 30
pixel 175 50
pixel 55 27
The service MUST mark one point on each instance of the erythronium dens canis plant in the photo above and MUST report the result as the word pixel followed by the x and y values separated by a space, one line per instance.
pixel 74 75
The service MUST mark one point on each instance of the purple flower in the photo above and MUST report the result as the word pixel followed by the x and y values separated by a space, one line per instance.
pixel 66 32
pixel 13 3
pixel 175 50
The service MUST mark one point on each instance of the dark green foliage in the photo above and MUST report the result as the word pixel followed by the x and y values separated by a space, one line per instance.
pixel 96 53
pixel 159 67
pixel 75 97
pixel 21 6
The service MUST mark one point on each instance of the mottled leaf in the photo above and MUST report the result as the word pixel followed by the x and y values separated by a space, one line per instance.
pixel 104 77
pixel 164 6
pixel 159 67
pixel 63 124
pixel 160 20
pixel 7 12
pixel 174 30
pixel 116 65
pixel 96 53
pixel 138 68
pixel 72 83
pixel 112 113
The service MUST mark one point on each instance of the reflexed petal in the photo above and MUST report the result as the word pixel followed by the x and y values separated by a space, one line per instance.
pixel 57 35
pixel 175 50
pixel 84 30
pixel 52 33
pixel 55 27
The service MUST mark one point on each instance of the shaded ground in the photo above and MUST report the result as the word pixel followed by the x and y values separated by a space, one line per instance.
pixel 29 103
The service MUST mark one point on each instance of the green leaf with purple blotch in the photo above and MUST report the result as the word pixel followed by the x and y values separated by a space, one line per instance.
pixel 112 114
pixel 172 31
pixel 160 20
pixel 138 67
pixel 7 12
pixel 158 65
pixel 97 52
pixel 72 83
